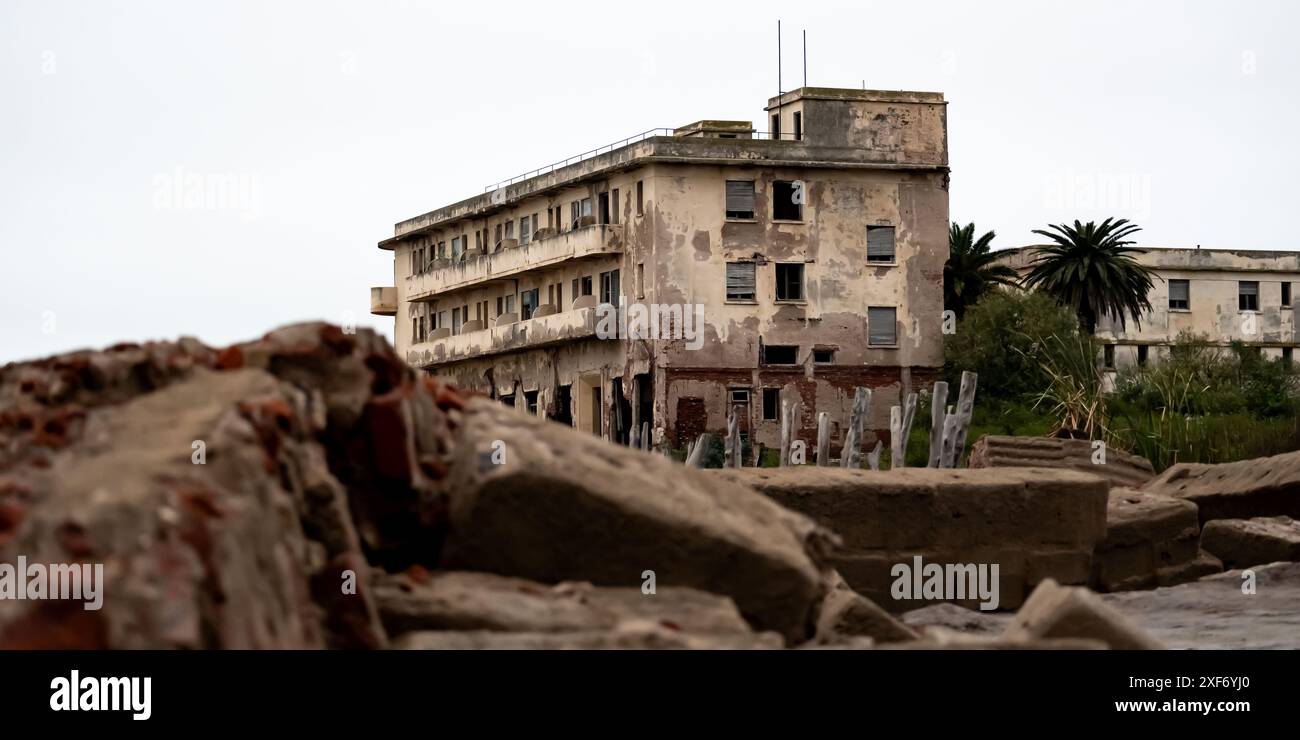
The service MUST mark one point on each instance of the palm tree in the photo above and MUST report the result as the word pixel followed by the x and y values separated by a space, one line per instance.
pixel 1090 268
pixel 970 270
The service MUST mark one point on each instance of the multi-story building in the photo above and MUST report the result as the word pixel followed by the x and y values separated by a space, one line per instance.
pixel 791 265
pixel 1225 295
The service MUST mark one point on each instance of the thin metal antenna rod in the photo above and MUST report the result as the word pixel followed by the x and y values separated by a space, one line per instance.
pixel 805 57
pixel 778 59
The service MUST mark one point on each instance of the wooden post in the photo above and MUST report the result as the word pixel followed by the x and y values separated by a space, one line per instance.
pixel 823 439
pixel 634 438
pixel 898 442
pixel 949 421
pixel 965 407
pixel 851 456
pixel 645 436
pixel 785 434
pixel 873 457
pixel 795 412
pixel 937 402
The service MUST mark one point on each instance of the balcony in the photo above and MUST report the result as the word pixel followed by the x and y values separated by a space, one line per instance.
pixel 512 261
pixel 383 301
pixel 515 336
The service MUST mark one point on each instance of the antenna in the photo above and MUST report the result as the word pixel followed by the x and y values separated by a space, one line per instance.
pixel 779 91
pixel 805 57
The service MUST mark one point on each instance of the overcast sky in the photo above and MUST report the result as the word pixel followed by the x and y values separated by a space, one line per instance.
pixel 220 168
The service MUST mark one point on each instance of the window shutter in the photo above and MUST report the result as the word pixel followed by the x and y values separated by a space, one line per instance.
pixel 880 243
pixel 1251 288
pixel 881 326
pixel 740 196
pixel 1178 290
pixel 740 280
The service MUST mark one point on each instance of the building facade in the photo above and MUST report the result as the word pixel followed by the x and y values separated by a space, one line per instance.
pixel 1225 295
pixel 687 271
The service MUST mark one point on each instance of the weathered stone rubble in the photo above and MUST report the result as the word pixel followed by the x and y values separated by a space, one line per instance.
pixel 1240 543
pixel 1119 467
pixel 1262 487
pixel 308 490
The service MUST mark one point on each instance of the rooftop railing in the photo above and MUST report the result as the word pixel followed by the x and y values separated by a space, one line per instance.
pixel 580 157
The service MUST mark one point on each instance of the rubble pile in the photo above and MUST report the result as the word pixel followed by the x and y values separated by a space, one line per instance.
pixel 309 490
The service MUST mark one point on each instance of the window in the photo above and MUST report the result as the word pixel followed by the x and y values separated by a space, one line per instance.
pixel 510 229
pixel 1108 356
pixel 457 248
pixel 1286 295
pixel 882 326
pixel 740 281
pixel 603 210
pixel 510 304
pixel 1142 355
pixel 1287 354
pixel 789 282
pixel 824 356
pixel 776 126
pixel 1248 295
pixel 787 200
pixel 798 126
pixel 740 198
pixel 640 280
pixel 640 200
pixel 586 285
pixel 525 230
pixel 880 244
pixel 614 198
pixel 498 235
pixel 1179 295
pixel 771 403
pixel 559 296
pixel 609 288
pixel 442 250
pixel 455 321
pixel 780 354
pixel 527 304
pixel 530 400
pixel 738 396
pixel 501 305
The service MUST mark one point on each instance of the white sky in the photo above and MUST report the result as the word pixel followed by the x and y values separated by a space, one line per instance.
pixel 317 125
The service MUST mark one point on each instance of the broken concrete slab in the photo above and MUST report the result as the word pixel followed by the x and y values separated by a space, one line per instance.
pixel 629 636
pixel 1244 542
pixel 1031 523
pixel 1266 486
pixel 468 601
pixel 845 614
pixel 1150 540
pixel 1119 467
pixel 556 504
pixel 1254 609
pixel 1055 611
pixel 957 619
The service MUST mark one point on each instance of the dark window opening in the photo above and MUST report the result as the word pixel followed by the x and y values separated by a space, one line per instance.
pixel 771 403
pixel 1286 295
pixel 1142 355
pixel 789 282
pixel 824 356
pixel 780 354
pixel 1108 356
pixel 776 125
pixel 1287 356
pixel 586 285
pixel 603 208
pixel 530 398
pixel 563 403
pixel 609 287
pixel 787 200
pixel 527 304
pixel 640 200
pixel 798 126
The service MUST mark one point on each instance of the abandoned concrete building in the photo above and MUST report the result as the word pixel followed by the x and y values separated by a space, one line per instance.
pixel 790 265
pixel 1224 295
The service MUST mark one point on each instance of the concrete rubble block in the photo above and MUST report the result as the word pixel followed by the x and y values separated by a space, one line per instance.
pixel 846 614
pixel 1053 611
pixel 1240 543
pixel 627 636
pixel 564 505
pixel 928 507
pixel 1263 487
pixel 1119 467
pixel 208 555
pixel 1150 538
pixel 466 601
pixel 873 574
pixel 957 619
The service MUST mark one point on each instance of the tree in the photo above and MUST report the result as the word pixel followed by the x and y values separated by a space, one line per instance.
pixel 1090 268
pixel 971 268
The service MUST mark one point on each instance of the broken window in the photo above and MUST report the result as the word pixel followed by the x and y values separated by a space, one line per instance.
pixel 527 304
pixel 740 281
pixel 824 356
pixel 1179 294
pixel 880 243
pixel 771 403
pixel 740 198
pixel 1286 295
pixel 738 396
pixel 882 326
pixel 798 126
pixel 787 200
pixel 1248 295
pixel 510 229
pixel 789 282
pixel 1142 355
pixel 780 354
pixel 609 287
pixel 640 201
pixel 1108 356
